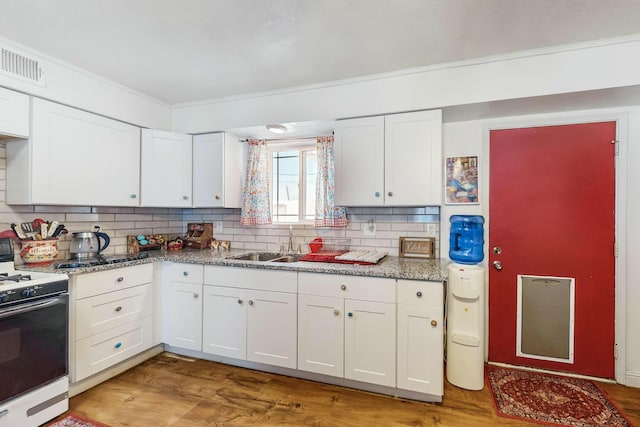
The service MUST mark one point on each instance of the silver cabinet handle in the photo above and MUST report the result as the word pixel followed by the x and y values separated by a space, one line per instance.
pixel 250 302
pixel 185 273
pixel 336 312
pixel 497 265
pixel 377 194
pixel 240 301
pixel 350 314
pixel 419 294
pixel 343 287
pixel 390 193
pixel 133 196
pixel 120 279
pixel 217 197
pixel 185 197
pixel 195 295
pixel 118 308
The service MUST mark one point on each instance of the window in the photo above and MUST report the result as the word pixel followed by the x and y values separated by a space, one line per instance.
pixel 293 182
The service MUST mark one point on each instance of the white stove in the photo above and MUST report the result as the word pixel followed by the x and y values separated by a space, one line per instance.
pixel 18 286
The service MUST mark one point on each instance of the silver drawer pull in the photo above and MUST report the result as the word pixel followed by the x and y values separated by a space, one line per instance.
pixel 118 308
pixel 419 294
pixel 343 287
pixel 240 301
pixel 336 312
pixel 250 302
pixel 120 279
pixel 185 273
pixel 195 295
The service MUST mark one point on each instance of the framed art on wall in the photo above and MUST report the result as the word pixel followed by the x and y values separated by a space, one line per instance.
pixel 461 180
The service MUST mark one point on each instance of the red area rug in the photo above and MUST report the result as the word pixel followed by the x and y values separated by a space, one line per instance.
pixel 551 399
pixel 75 420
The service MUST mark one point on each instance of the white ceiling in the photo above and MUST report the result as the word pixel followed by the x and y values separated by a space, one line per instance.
pixel 190 50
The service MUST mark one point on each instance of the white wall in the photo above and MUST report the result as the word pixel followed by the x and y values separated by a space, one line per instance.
pixel 72 86
pixel 566 69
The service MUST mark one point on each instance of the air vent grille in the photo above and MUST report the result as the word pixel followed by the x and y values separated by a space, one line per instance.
pixel 22 67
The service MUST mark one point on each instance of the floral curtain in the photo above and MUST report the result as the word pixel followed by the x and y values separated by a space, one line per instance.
pixel 327 214
pixel 256 204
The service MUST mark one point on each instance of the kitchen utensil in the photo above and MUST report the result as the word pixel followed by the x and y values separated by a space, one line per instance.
pixel 18 231
pixel 86 244
pixel 44 230
pixel 58 230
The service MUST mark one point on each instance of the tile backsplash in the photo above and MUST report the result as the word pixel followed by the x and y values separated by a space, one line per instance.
pixel 118 223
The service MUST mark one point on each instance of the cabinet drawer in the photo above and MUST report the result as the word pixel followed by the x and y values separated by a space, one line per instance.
pixel 424 294
pixel 352 287
pixel 101 282
pixel 186 273
pixel 103 312
pixel 251 278
pixel 103 350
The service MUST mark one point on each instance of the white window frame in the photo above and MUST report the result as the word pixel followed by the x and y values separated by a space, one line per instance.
pixel 302 146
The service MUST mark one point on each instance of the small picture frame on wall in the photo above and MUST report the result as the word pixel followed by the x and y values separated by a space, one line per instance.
pixel 461 180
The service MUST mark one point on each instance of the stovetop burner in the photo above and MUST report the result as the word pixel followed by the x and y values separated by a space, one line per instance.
pixel 15 277
pixel 103 260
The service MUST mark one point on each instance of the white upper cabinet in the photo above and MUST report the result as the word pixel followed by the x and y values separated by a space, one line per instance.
pixel 392 160
pixel 14 114
pixel 74 158
pixel 359 160
pixel 165 176
pixel 218 168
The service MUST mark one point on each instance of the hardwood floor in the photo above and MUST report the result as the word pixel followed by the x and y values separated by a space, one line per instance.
pixel 181 392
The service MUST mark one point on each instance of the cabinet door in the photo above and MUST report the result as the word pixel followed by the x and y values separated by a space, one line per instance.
pixel 370 342
pixel 321 335
pixel 272 328
pixel 77 158
pixel 413 159
pixel 184 315
pixel 224 322
pixel 14 114
pixel 166 169
pixel 359 161
pixel 217 170
pixel 420 349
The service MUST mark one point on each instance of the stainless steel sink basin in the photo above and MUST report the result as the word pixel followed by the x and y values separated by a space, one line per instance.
pixel 268 256
pixel 288 258
pixel 257 256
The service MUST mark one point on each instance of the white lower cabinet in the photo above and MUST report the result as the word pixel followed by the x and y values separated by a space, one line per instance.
pixel 321 335
pixel 111 318
pixel 224 306
pixel 183 306
pixel 251 314
pixel 420 336
pixel 348 327
pixel 370 335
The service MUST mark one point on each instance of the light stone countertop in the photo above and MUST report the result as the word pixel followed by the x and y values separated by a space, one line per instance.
pixel 390 266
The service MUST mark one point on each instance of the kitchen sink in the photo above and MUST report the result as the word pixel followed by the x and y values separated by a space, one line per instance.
pixel 288 258
pixel 268 256
pixel 257 256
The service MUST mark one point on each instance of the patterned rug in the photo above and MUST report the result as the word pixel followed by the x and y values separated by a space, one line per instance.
pixel 75 420
pixel 550 399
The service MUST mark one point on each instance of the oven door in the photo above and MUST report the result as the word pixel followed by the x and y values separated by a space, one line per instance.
pixel 33 349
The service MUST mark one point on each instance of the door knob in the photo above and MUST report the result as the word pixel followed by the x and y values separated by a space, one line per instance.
pixel 497 265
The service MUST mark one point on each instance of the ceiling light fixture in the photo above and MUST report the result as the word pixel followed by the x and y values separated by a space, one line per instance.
pixel 276 128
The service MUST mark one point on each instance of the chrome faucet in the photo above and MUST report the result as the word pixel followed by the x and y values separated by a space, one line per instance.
pixel 290 246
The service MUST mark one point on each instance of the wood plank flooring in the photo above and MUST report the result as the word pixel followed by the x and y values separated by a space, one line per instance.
pixel 170 391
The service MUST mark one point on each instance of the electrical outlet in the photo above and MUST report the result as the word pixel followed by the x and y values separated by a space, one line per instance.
pixel 369 229
pixel 218 227
pixel 431 229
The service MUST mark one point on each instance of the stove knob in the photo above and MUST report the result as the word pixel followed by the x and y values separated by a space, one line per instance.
pixel 28 293
pixel 4 298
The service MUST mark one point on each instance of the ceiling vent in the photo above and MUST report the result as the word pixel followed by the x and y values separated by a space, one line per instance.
pixel 21 67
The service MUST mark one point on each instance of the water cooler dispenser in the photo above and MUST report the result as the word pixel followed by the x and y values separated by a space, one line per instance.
pixel 465 303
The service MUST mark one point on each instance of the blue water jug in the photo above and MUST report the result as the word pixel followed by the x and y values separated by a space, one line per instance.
pixel 466 239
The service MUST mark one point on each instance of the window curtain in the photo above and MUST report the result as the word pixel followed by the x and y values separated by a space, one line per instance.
pixel 327 213
pixel 256 204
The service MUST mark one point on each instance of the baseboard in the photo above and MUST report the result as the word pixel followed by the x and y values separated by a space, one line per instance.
pixel 546 371
pixel 94 380
pixel 632 379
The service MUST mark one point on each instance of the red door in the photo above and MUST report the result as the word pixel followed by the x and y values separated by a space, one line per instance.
pixel 551 212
